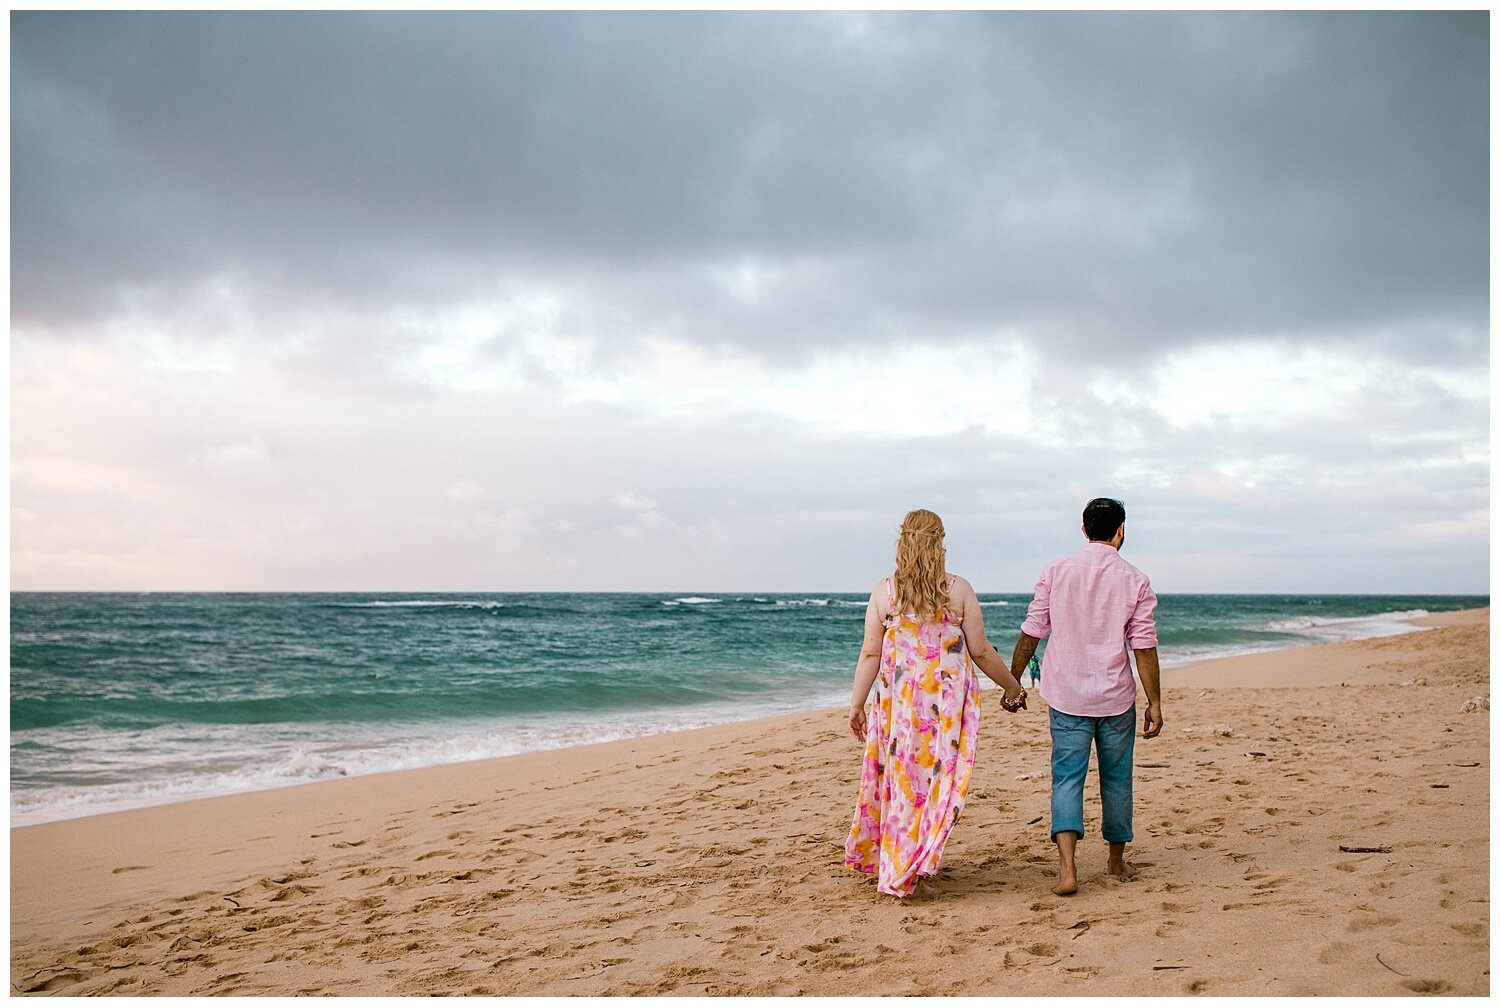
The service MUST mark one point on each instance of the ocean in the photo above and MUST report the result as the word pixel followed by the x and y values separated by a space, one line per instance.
pixel 126 700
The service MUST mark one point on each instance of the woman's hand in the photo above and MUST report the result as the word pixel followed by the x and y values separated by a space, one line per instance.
pixel 857 722
pixel 1014 702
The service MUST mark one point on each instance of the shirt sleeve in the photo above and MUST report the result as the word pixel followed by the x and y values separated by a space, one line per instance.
pixel 1038 622
pixel 1140 629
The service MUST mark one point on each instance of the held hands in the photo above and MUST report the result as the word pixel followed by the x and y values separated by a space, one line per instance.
pixel 1152 727
pixel 1014 702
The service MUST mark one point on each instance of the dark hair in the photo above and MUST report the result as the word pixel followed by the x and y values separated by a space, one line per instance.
pixel 1102 517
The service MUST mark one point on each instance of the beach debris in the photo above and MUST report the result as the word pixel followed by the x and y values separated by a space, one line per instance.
pixel 1364 849
pixel 1438 786
pixel 1038 818
pixel 1475 704
pixel 1028 776
pixel 1081 926
pixel 1222 730
pixel 1205 694
pixel 1153 765
pixel 236 904
pixel 1162 968
pixel 1382 961
pixel 1419 680
pixel 1255 755
pixel 1466 765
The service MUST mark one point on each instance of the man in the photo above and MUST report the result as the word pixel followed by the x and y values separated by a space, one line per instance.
pixel 1093 604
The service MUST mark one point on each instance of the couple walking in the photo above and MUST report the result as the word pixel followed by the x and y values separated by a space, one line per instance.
pixel 924 635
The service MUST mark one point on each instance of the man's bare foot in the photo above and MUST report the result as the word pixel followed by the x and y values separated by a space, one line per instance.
pixel 1067 884
pixel 1123 870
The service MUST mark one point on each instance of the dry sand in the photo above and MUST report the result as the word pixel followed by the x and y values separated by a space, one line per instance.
pixel 711 861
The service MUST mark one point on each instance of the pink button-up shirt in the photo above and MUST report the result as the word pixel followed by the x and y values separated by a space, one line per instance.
pixel 1092 604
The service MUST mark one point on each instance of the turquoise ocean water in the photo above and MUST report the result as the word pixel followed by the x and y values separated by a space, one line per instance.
pixel 123 700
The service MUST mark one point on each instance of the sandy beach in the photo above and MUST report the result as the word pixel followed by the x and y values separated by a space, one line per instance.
pixel 710 861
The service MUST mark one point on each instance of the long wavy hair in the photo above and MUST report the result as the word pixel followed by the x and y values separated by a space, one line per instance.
pixel 921 583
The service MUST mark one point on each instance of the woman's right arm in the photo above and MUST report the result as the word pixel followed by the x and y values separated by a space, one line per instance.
pixel 868 665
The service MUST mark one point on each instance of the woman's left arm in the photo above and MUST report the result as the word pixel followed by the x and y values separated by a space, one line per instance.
pixel 868 666
pixel 981 651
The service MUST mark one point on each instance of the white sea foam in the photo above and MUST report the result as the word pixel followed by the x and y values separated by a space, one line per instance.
pixel 1332 629
pixel 1317 629
pixel 359 756
pixel 693 600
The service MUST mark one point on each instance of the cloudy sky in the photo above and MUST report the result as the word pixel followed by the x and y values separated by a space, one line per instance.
pixel 694 302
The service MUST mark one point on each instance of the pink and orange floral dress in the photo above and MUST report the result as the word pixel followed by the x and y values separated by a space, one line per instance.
pixel 920 739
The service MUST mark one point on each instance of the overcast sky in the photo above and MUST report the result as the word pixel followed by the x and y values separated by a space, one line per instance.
pixel 696 302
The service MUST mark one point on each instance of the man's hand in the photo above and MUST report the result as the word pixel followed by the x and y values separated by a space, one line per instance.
pixel 857 722
pixel 1152 727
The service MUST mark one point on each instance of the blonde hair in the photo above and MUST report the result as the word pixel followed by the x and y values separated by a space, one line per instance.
pixel 921 581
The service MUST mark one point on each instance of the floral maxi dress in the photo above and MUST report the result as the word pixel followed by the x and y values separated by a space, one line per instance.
pixel 920 740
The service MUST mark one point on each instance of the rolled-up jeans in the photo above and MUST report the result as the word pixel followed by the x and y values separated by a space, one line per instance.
pixel 1114 738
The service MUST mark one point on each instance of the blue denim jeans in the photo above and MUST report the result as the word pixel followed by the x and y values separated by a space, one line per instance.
pixel 1114 738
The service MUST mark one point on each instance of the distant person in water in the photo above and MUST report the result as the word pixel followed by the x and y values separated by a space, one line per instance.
pixel 1093 604
pixel 924 634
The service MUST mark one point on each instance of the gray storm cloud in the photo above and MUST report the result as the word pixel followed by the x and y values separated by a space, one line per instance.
pixel 1162 178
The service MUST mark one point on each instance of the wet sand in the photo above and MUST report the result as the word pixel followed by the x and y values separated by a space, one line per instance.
pixel 710 861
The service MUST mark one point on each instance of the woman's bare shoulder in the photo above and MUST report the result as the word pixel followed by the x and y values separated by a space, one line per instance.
pixel 959 592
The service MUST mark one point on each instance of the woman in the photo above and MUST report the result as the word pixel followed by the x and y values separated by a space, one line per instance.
pixel 924 633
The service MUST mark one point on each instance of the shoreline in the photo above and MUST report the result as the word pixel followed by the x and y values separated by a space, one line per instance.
pixel 708 861
pixel 1172 674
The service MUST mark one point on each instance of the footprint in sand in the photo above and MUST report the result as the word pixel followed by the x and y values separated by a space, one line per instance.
pixel 1426 985
pixel 54 982
pixel 292 892
pixel 1360 925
